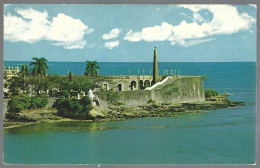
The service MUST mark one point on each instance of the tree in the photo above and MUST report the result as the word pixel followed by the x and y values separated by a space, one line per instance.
pixel 18 103
pixel 24 74
pixel 24 70
pixel 91 68
pixel 71 107
pixel 16 84
pixel 210 93
pixel 39 69
pixel 70 75
pixel 40 66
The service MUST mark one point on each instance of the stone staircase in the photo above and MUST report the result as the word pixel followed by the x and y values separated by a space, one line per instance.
pixel 160 84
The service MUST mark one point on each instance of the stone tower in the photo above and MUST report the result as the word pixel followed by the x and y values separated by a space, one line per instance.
pixel 155 66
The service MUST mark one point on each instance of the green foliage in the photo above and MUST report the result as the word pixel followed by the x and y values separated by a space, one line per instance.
pixel 119 103
pixel 23 102
pixel 77 83
pixel 151 101
pixel 86 103
pixel 38 102
pixel 70 75
pixel 40 66
pixel 91 68
pixel 24 70
pixel 16 83
pixel 112 96
pixel 204 77
pixel 210 93
pixel 72 107
pixel 65 93
pixel 85 100
pixel 18 103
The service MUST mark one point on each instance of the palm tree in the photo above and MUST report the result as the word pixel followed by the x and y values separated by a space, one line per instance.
pixel 24 70
pixel 40 66
pixel 91 68
pixel 24 73
pixel 39 69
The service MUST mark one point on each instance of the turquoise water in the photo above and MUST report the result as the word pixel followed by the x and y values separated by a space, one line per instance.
pixel 225 136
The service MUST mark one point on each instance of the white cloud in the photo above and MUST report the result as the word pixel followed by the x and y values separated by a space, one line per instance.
pixel 112 34
pixel 187 43
pixel 89 30
pixel 33 26
pixel 112 44
pixel 197 17
pixel 226 20
pixel 156 33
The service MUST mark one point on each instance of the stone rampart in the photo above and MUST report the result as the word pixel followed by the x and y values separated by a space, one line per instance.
pixel 182 89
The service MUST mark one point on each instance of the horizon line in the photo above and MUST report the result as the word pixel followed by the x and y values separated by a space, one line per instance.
pixel 144 61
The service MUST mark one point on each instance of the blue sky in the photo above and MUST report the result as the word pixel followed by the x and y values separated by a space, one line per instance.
pixel 129 33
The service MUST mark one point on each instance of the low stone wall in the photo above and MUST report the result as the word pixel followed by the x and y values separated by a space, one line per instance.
pixel 182 89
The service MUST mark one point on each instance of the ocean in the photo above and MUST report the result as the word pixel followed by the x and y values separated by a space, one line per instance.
pixel 225 136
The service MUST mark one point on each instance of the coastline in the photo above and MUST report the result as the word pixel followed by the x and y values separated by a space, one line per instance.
pixel 120 112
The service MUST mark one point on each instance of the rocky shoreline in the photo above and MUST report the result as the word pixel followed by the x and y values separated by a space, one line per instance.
pixel 167 110
pixel 120 112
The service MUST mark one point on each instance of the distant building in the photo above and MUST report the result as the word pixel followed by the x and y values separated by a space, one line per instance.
pixel 136 82
pixel 8 74
pixel 11 71
pixel 138 89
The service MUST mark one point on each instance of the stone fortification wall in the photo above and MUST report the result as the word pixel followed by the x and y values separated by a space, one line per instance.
pixel 136 97
pixel 182 89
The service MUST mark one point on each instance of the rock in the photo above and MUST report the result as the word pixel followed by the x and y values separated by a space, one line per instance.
pixel 94 113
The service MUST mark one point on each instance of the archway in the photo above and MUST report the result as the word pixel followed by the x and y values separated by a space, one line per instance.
pixel 119 87
pixel 133 85
pixel 147 83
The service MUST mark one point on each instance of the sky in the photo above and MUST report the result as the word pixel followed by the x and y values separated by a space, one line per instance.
pixel 129 33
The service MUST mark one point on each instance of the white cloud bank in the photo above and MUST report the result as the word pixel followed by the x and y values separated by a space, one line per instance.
pixel 114 33
pixel 112 44
pixel 226 20
pixel 33 26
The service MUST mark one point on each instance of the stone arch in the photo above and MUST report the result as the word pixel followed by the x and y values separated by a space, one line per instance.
pixel 147 83
pixel 133 85
pixel 141 84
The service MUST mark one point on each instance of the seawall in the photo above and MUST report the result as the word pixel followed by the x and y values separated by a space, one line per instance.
pixel 183 89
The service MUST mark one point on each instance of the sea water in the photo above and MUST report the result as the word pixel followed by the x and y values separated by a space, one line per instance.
pixel 225 136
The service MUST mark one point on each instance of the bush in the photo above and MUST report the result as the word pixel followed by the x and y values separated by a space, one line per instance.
pixel 22 102
pixel 151 101
pixel 72 107
pixel 65 93
pixel 119 103
pixel 112 96
pixel 39 102
pixel 210 93
pixel 18 103
pixel 85 101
